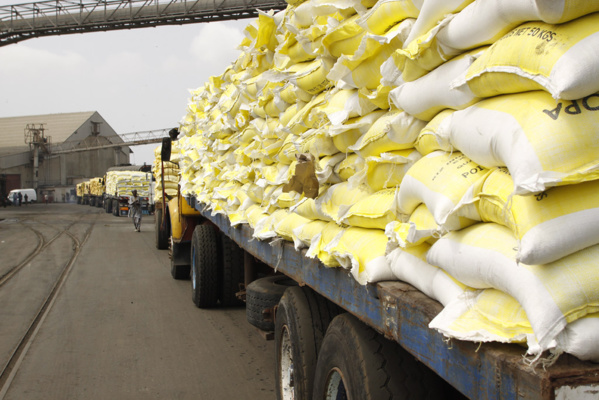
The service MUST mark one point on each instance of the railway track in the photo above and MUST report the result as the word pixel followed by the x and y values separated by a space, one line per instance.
pixel 53 237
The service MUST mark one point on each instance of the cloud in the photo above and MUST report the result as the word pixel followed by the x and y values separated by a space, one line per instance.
pixel 215 46
pixel 23 60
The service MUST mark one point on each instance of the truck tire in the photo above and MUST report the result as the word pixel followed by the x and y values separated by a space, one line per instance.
pixel 263 294
pixel 115 208
pixel 301 321
pixel 178 271
pixel 232 272
pixel 356 362
pixel 205 266
pixel 107 206
pixel 92 202
pixel 162 231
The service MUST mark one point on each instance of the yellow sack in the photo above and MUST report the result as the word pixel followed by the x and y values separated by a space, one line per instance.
pixel 447 183
pixel 484 316
pixel 362 68
pixel 427 96
pixel 344 38
pixel 334 201
pixel 265 227
pixel 433 11
pixel 552 295
pixel 387 170
pixel 347 168
pixel 303 234
pixel 420 228
pixel 347 133
pixel 560 59
pixel 320 241
pixel 409 265
pixel 362 251
pixel 317 142
pixel 311 76
pixel 341 105
pixel 543 144
pixel 288 223
pixel 386 14
pixel 374 211
pixel 549 226
pixel 395 130
pixel 306 207
pixel 431 137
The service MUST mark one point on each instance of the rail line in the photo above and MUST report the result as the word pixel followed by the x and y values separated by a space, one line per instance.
pixel 9 371
pixel 42 244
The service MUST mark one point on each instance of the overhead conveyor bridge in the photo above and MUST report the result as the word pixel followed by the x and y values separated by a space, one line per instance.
pixel 60 17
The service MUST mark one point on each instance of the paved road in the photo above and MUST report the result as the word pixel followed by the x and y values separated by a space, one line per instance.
pixel 115 325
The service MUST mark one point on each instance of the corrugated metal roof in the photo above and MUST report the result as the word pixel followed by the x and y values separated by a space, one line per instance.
pixel 58 126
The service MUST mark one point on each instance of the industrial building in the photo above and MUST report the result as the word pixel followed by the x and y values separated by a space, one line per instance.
pixel 52 153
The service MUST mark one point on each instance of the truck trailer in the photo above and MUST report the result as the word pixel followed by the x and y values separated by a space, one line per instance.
pixel 120 182
pixel 405 197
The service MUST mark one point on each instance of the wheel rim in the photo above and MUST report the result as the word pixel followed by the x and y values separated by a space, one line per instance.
pixel 286 367
pixel 335 388
pixel 193 269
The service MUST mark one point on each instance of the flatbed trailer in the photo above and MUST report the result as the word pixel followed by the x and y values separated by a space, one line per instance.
pixel 402 314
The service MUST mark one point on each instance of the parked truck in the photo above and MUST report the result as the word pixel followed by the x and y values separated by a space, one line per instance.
pixel 82 192
pixel 97 189
pixel 120 182
pixel 408 208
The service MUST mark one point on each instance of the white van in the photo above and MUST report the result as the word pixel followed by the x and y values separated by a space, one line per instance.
pixel 31 195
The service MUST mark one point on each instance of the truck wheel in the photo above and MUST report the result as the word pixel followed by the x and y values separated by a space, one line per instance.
pixel 301 321
pixel 92 202
pixel 232 272
pixel 161 229
pixel 356 362
pixel 204 266
pixel 115 208
pixel 178 271
pixel 263 294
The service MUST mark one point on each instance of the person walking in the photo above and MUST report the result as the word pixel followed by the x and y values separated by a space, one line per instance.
pixel 26 198
pixel 135 210
pixel 20 198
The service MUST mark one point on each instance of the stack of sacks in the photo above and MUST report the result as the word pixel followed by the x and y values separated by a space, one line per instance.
pixel 171 173
pixel 531 122
pixel 96 186
pixel 111 178
pixel 80 189
pixel 372 133
pixel 122 183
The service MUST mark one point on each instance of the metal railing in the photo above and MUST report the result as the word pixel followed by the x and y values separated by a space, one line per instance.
pixel 59 17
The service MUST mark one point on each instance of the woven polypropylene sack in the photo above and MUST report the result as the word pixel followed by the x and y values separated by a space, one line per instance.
pixel 552 295
pixel 560 59
pixel 446 182
pixel 551 225
pixel 543 144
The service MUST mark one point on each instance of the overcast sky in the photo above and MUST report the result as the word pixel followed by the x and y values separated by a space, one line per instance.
pixel 138 80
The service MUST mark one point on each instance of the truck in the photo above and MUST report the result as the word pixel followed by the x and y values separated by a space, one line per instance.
pixel 97 189
pixel 119 184
pixel 82 192
pixel 372 339
pixel 257 142
pixel 174 218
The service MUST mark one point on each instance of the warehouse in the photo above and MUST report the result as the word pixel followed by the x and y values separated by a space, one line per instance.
pixel 54 152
